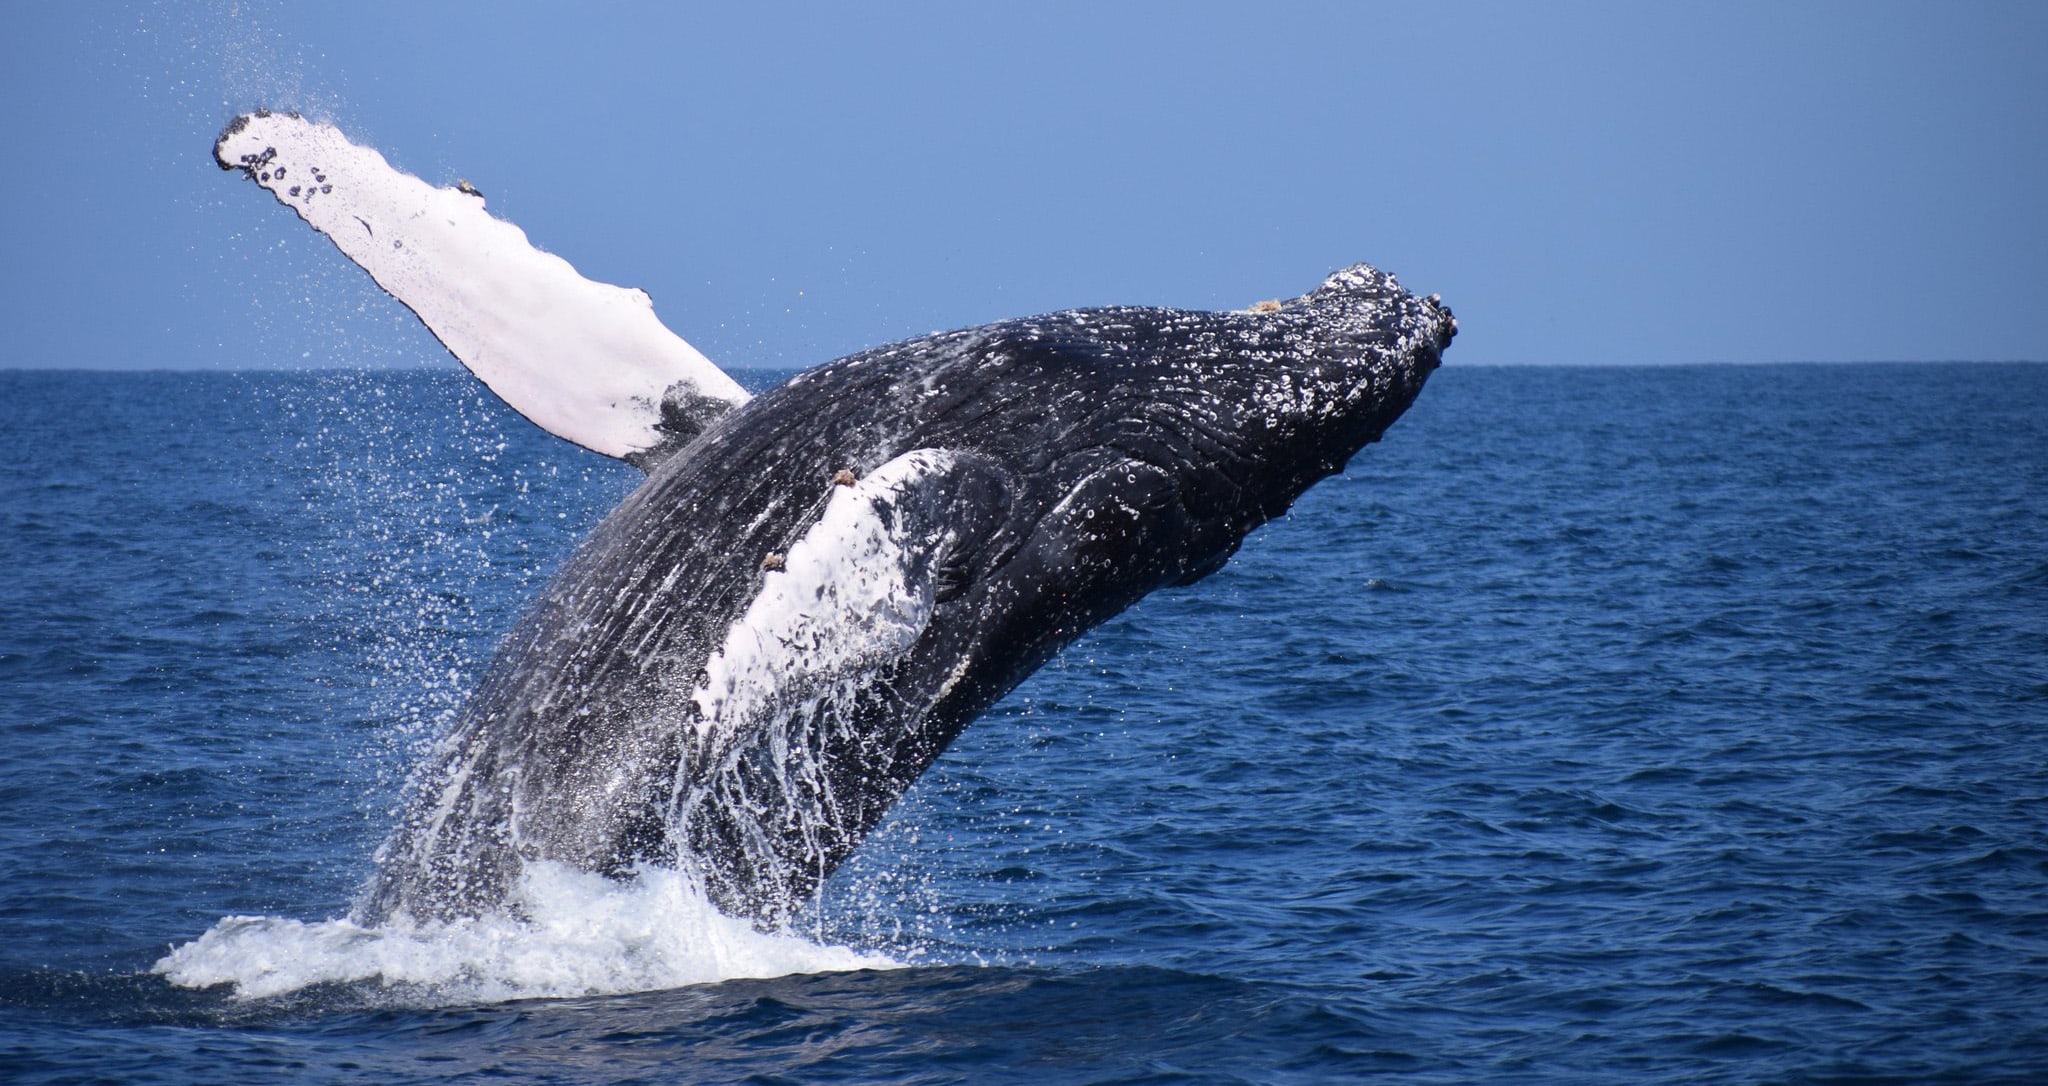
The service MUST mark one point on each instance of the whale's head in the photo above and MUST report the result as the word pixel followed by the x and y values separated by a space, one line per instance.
pixel 1104 453
pixel 1294 389
pixel 1156 439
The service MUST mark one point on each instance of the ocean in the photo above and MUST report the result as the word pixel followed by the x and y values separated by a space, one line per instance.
pixel 1601 725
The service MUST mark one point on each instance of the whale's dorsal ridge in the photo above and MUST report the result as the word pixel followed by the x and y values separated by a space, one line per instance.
pixel 586 361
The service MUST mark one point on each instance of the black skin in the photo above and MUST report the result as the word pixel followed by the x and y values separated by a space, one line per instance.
pixel 1096 456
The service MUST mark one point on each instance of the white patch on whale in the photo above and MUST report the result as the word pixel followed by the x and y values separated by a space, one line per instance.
pixel 849 595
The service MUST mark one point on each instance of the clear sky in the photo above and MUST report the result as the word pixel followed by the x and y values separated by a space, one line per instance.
pixel 1596 183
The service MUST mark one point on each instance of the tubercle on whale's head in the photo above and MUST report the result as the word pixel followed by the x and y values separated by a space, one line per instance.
pixel 1322 375
pixel 1366 345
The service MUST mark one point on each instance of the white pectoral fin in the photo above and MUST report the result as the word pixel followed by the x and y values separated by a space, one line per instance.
pixel 585 361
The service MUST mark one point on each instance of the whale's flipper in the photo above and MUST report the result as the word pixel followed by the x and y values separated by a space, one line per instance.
pixel 585 361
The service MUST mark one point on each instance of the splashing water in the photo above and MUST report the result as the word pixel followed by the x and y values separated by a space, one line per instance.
pixel 414 636
pixel 567 933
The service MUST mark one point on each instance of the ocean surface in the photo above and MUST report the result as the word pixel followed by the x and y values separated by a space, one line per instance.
pixel 1599 726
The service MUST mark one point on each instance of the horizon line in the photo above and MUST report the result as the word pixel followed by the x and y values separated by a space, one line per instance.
pixel 456 367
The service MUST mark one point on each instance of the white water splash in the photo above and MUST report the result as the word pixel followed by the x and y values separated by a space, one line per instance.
pixel 581 935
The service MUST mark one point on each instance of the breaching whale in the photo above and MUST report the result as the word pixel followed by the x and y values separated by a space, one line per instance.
pixel 816 589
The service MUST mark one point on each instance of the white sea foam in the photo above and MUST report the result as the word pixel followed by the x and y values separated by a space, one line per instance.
pixel 580 934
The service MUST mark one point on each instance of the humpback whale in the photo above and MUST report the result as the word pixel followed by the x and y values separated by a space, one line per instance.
pixel 814 590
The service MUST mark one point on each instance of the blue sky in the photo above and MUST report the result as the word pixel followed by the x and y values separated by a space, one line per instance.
pixel 1597 183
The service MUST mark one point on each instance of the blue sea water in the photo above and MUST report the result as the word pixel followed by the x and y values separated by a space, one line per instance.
pixel 1601 725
